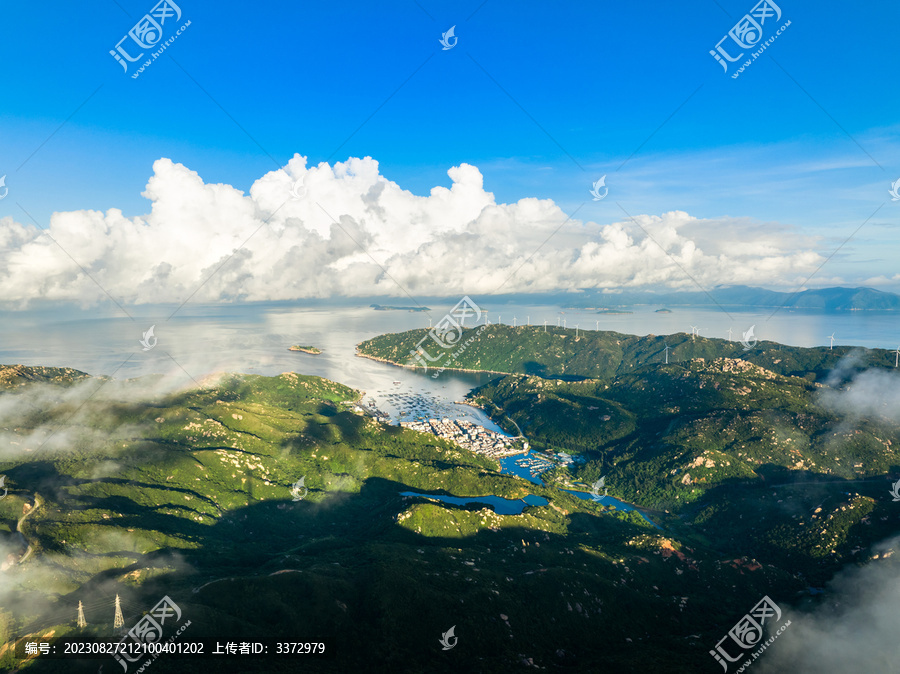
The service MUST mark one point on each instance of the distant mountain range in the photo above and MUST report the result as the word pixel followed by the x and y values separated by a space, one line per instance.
pixel 823 299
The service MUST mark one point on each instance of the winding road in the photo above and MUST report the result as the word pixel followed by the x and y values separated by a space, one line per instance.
pixel 30 548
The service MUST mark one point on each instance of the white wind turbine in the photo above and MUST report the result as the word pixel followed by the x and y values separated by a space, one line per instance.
pixel 514 321
pixel 528 320
pixel 597 327
pixel 667 354
pixel 564 323
pixel 693 332
pixel 557 321
pixel 729 335
pixel 897 359
pixel 545 325
pixel 576 330
pixel 832 341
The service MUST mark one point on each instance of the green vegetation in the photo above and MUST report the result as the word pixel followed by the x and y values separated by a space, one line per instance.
pixel 559 353
pixel 715 443
pixel 306 349
pixel 712 437
pixel 164 495
pixel 759 488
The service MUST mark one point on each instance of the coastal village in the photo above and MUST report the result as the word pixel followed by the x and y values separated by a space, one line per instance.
pixel 469 436
pixel 465 433
pixel 480 440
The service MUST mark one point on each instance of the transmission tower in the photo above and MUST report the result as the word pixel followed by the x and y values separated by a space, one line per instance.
pixel 118 621
pixel 81 621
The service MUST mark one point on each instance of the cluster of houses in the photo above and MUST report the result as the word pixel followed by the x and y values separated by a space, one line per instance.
pixel 468 435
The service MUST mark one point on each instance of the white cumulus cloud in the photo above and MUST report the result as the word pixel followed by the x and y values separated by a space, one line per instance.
pixel 355 233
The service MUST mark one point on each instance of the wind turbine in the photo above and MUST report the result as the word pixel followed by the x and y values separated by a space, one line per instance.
pixel 564 323
pixel 897 359
pixel 729 335
pixel 693 332
pixel 557 321
pixel 576 330
pixel 545 325
pixel 528 320
pixel 597 327
pixel 667 353
pixel 514 321
pixel 500 319
pixel 832 341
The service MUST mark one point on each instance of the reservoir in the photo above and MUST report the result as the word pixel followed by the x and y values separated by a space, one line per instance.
pixel 501 506
pixel 611 501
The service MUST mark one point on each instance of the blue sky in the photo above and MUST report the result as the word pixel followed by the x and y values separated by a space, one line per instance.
pixel 542 98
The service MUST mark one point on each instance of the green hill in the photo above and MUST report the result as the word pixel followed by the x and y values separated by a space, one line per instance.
pixel 13 377
pixel 189 495
pixel 559 353
pixel 735 443
pixel 708 441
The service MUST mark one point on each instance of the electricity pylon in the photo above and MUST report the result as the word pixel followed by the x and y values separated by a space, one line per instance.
pixel 118 621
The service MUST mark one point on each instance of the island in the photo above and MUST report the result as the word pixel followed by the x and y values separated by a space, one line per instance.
pixel 306 349
pixel 600 310
pixel 384 307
